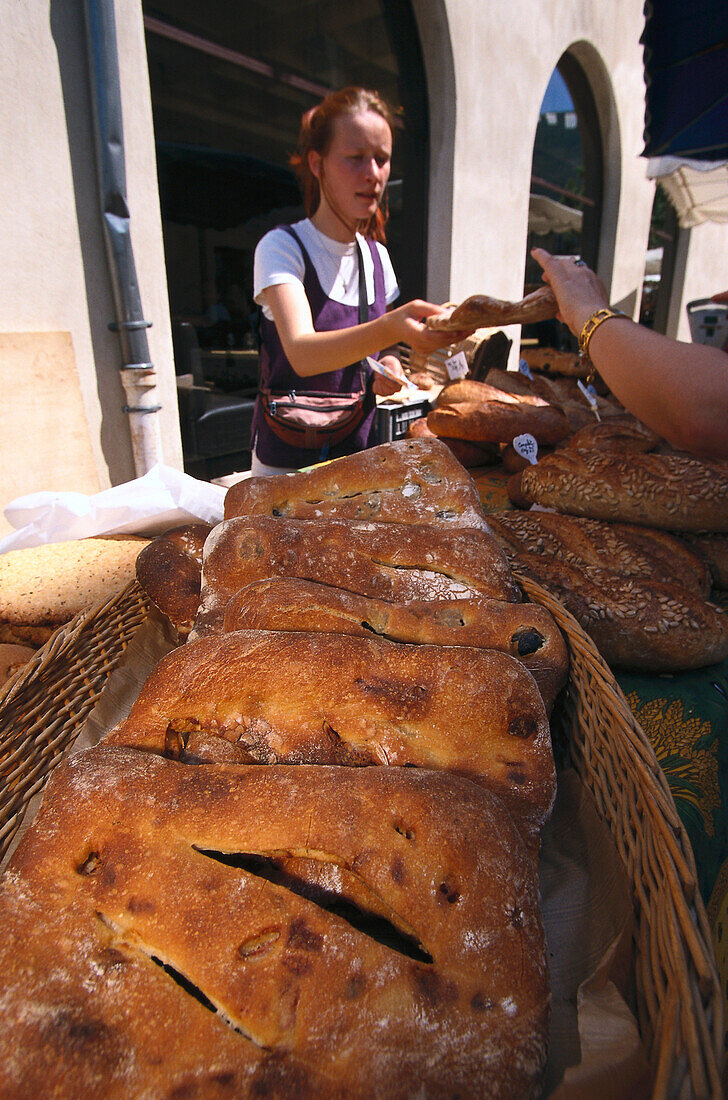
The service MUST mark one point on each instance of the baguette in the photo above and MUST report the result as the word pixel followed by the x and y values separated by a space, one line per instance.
pixel 523 630
pixel 320 933
pixel 469 454
pixel 499 421
pixel 480 311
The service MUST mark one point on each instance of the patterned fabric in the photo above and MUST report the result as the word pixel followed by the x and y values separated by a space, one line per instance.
pixel 685 717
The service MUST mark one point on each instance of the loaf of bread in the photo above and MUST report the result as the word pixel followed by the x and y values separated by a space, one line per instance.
pixel 319 933
pixel 408 481
pixel 469 391
pixel 673 492
pixel 467 453
pixel 12 659
pixel 169 571
pixel 713 550
pixel 306 698
pixel 633 551
pixel 523 630
pixel 43 587
pixel 551 361
pixel 640 625
pixel 480 311
pixel 389 561
pixel 499 421
pixel 623 434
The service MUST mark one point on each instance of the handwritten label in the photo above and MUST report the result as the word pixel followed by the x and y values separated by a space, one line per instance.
pixel 457 365
pixel 590 394
pixel 524 369
pixel 526 446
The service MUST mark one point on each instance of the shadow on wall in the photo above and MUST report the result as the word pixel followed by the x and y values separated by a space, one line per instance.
pixel 67 25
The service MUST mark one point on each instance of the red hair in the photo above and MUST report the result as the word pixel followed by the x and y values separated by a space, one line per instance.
pixel 317 131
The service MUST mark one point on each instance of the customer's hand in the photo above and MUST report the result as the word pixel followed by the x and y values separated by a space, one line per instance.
pixel 579 292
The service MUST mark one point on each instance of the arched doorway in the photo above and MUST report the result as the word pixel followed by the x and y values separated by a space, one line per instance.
pixel 230 80
pixel 567 177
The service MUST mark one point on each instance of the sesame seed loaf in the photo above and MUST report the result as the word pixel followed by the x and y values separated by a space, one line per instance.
pixel 307 698
pixel 408 481
pixel 524 630
pixel 713 550
pixel 642 625
pixel 633 551
pixel 324 933
pixel 667 491
pixel 390 561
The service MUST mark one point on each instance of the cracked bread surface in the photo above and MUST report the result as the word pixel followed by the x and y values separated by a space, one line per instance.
pixel 218 931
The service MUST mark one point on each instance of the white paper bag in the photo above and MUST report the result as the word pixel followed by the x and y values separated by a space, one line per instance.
pixel 162 498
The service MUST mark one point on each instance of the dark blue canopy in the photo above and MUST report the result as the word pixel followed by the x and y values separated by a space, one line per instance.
pixel 686 74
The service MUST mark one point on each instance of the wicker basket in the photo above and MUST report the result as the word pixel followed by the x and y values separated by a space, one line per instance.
pixel 680 1007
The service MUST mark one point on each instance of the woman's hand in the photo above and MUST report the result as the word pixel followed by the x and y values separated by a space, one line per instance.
pixel 408 328
pixel 385 387
pixel 579 293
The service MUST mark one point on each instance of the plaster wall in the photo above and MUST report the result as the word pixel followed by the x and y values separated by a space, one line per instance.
pixel 52 251
pixel 486 88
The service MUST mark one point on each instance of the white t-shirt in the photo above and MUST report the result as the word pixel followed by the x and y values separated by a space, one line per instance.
pixel 278 260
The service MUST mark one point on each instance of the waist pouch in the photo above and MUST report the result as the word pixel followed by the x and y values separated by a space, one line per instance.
pixel 313 420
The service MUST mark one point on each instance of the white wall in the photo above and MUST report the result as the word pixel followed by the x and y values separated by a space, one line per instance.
pixel 52 252
pixel 502 56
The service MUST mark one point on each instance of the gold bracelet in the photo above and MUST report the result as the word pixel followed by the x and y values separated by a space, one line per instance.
pixel 592 324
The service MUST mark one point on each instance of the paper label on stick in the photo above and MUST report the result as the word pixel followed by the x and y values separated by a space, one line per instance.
pixel 457 365
pixel 524 369
pixel 526 446
pixel 590 394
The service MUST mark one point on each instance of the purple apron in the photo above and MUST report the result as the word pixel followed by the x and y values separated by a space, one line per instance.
pixel 277 374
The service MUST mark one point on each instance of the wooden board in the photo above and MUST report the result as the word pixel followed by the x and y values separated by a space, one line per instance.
pixel 44 437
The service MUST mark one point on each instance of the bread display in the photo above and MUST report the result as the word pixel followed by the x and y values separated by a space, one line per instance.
pixel 389 561
pixel 498 421
pixel 467 453
pixel 408 481
pixel 169 571
pixel 636 592
pixel 551 361
pixel 335 699
pixel 619 433
pixel 631 550
pixel 247 931
pixel 480 311
pixel 523 630
pixel 43 587
pixel 673 492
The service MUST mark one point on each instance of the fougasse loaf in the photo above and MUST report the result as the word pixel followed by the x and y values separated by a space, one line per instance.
pixel 390 561
pixel 523 630
pixel 307 698
pixel 406 481
pixel 310 932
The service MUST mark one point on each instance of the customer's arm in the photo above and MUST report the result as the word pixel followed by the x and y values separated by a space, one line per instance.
pixel 679 390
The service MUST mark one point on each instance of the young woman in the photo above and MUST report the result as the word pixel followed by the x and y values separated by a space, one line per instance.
pixel 316 328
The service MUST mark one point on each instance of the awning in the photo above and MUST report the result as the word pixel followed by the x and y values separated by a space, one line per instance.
pixel 698 189
pixel 686 78
pixel 548 216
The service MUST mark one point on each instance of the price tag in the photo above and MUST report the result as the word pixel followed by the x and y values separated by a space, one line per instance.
pixel 524 369
pixel 457 365
pixel 526 446
pixel 591 396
